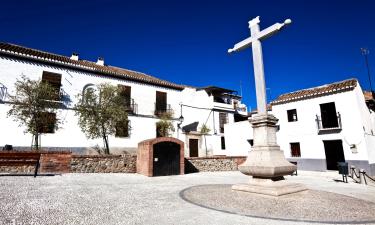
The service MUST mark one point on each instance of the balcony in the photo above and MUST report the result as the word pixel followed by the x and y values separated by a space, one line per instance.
pixel 329 124
pixel 162 109
pixel 132 107
pixel 3 92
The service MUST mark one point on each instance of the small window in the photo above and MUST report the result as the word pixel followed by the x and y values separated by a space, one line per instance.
pixel 123 129
pixel 46 122
pixel 251 142
pixel 292 115
pixel 222 143
pixel 295 149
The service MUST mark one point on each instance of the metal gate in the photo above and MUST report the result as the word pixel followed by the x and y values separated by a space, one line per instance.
pixel 166 159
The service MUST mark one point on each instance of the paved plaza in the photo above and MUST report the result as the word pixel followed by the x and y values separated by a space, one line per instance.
pixel 136 199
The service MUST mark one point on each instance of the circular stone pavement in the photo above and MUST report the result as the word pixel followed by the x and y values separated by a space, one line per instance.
pixel 308 206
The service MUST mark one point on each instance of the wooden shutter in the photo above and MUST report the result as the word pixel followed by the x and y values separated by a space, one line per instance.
pixel 161 101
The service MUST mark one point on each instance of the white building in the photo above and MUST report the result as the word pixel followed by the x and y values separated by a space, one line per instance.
pixel 319 127
pixel 148 96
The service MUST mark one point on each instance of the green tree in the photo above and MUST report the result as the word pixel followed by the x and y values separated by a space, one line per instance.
pixel 164 126
pixel 204 131
pixel 100 111
pixel 34 106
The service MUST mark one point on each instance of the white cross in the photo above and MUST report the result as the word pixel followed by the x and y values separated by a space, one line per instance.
pixel 254 42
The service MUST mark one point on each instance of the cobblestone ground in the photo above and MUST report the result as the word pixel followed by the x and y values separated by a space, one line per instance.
pixel 135 199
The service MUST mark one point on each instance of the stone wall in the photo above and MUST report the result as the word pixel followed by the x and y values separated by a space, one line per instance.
pixel 103 164
pixel 213 163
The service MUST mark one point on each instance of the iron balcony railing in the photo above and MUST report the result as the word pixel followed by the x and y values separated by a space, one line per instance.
pixel 161 109
pixel 324 125
pixel 132 107
pixel 3 92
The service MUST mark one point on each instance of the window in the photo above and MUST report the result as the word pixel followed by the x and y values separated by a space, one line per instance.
pixel 123 129
pixel 222 143
pixel 53 79
pixel 251 142
pixel 292 115
pixel 125 92
pixel 46 122
pixel 223 119
pixel 161 103
pixel 295 149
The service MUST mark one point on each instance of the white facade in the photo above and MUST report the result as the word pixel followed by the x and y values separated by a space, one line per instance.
pixel 356 130
pixel 197 106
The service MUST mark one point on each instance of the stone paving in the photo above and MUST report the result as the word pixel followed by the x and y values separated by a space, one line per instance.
pixel 136 199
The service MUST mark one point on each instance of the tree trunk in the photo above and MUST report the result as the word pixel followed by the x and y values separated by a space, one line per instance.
pixel 106 146
pixel 36 141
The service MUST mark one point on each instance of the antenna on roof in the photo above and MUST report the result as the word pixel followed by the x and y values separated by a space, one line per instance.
pixel 365 53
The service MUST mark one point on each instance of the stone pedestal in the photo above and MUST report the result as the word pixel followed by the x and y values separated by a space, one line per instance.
pixel 266 162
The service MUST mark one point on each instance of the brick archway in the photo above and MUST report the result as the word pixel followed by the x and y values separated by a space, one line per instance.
pixel 158 152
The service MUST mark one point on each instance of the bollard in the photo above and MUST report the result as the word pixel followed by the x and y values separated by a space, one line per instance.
pixel 352 168
pixel 362 177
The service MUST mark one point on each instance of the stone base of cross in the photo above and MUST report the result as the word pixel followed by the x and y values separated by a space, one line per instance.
pixel 266 162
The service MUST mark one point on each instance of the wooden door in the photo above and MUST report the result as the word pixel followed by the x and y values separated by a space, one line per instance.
pixel 193 147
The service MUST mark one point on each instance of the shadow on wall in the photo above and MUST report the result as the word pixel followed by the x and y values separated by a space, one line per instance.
pixel 190 168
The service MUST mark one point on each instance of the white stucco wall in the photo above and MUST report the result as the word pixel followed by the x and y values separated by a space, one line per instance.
pixel 144 95
pixel 357 128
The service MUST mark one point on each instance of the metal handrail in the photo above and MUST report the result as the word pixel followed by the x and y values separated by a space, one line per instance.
pixel 3 92
pixel 322 128
pixel 160 109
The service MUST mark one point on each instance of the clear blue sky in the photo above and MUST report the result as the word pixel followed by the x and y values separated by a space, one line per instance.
pixel 186 41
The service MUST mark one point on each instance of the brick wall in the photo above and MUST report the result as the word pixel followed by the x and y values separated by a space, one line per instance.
pixel 50 163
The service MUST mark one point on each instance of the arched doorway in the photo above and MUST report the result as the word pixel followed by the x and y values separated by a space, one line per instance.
pixel 161 156
pixel 166 159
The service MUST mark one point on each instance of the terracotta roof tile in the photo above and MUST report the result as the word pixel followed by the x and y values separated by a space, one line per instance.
pixel 327 89
pixel 33 54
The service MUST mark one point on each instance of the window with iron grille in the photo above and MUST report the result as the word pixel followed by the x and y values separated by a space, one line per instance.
pixel 295 149
pixel 292 115
pixel 123 129
pixel 125 92
pixel 46 122
pixel 223 119
pixel 53 79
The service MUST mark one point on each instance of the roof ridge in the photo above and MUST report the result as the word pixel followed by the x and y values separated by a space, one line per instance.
pixel 85 64
pixel 325 89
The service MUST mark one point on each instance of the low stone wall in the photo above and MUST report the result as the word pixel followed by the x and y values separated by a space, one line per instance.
pixel 213 163
pixel 103 164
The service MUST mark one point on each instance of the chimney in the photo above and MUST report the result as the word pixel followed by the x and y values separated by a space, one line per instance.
pixel 75 56
pixel 100 61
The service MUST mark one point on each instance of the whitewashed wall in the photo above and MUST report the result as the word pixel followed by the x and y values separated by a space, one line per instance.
pixel 144 95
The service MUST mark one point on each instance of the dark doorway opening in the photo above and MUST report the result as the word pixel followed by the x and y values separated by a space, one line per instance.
pixel 329 115
pixel 334 153
pixel 166 159
pixel 193 147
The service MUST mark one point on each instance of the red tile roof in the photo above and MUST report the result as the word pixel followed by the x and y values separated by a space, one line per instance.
pixel 328 89
pixel 111 71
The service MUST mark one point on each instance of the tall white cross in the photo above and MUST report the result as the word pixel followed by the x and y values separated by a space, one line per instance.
pixel 254 42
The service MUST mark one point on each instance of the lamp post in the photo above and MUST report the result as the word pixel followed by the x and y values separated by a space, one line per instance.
pixel 180 121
